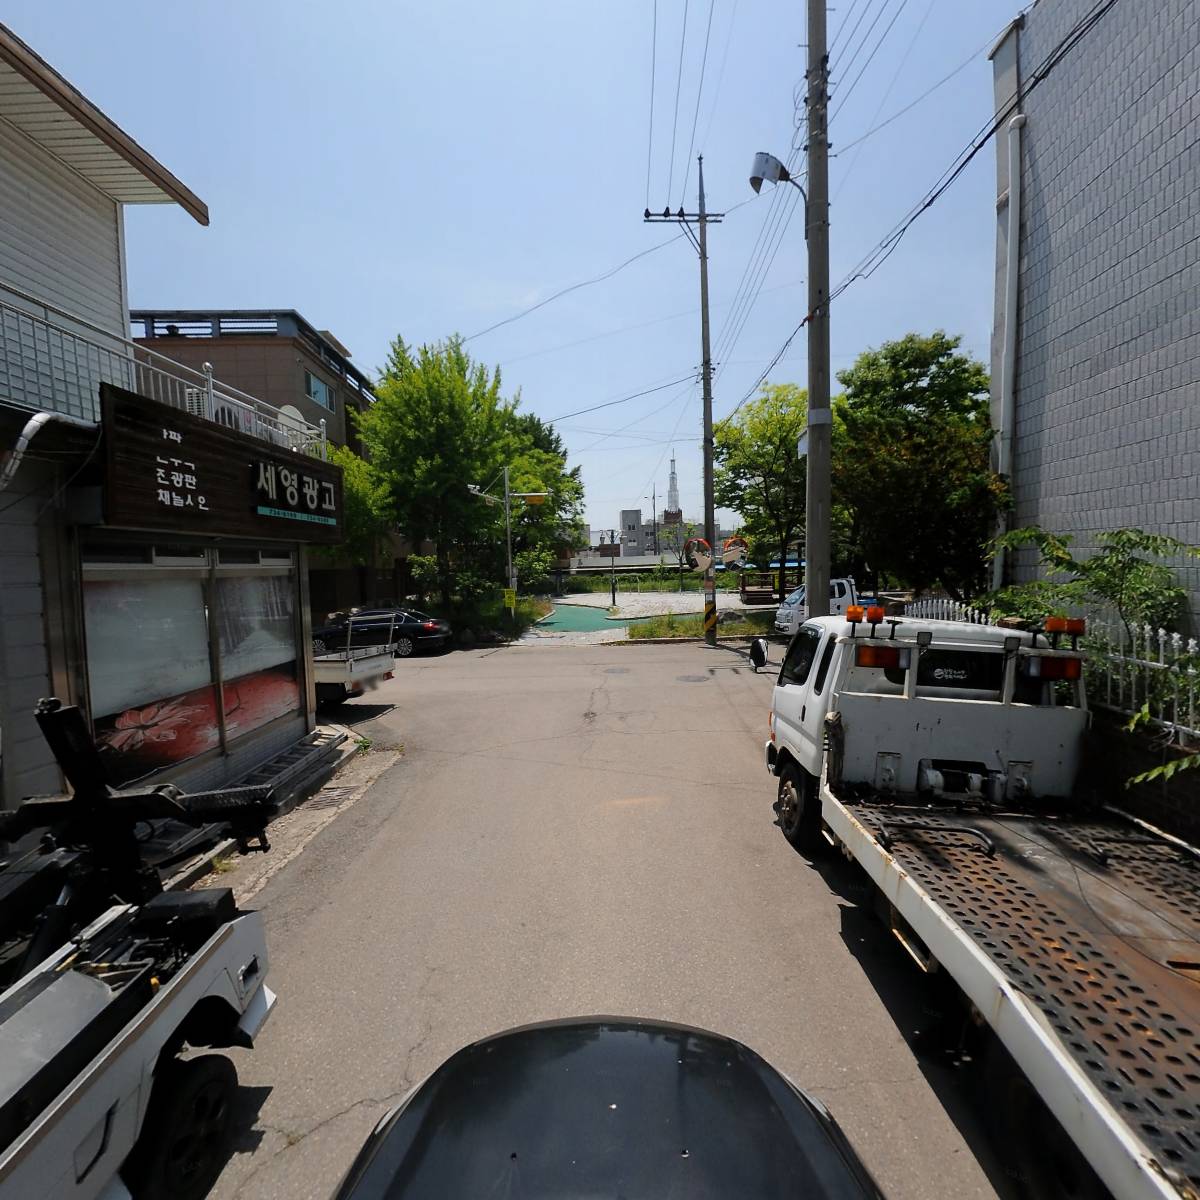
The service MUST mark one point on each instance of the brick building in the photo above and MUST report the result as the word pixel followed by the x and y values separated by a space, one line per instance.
pixel 1101 417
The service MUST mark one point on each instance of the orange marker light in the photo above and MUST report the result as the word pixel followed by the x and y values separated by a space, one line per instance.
pixel 854 612
pixel 1056 625
pixel 875 614
pixel 1076 626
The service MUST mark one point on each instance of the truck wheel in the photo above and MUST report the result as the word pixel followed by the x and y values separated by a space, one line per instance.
pixel 1042 1159
pixel 405 647
pixel 798 809
pixel 179 1153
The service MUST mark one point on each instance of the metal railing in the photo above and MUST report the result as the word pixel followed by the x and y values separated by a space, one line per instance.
pixel 54 360
pixel 1126 670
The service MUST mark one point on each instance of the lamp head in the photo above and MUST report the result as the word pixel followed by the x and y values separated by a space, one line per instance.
pixel 767 168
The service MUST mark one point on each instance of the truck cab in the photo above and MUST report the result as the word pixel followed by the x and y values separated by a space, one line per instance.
pixel 924 710
pixel 792 612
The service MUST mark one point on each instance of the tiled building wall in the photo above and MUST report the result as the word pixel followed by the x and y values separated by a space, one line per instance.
pixel 1107 428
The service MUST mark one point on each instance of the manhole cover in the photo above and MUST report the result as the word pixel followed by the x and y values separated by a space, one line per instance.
pixel 692 678
pixel 328 797
pixel 616 670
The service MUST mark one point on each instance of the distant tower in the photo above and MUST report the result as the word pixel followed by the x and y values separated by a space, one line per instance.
pixel 673 514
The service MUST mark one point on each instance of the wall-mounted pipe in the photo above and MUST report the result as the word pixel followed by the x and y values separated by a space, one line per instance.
pixel 28 433
pixel 1008 359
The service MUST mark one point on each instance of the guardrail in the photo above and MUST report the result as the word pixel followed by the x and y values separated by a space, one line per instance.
pixel 55 360
pixel 1126 669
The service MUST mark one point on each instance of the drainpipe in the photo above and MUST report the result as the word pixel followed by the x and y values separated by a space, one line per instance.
pixel 28 433
pixel 1008 360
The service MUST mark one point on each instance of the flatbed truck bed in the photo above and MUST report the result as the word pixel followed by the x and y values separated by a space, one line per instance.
pixel 1077 940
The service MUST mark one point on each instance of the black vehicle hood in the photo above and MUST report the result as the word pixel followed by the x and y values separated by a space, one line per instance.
pixel 607 1108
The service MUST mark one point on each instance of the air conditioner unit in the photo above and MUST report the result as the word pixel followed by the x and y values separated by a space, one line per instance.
pixel 195 401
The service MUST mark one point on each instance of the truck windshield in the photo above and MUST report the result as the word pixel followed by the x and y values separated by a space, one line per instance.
pixel 797 597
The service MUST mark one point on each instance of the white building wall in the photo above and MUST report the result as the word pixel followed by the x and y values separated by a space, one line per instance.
pixel 60 238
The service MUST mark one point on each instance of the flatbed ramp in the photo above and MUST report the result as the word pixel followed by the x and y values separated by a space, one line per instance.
pixel 1079 943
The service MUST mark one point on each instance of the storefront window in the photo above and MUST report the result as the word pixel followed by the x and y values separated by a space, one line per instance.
pixel 151 667
pixel 256 627
pixel 153 703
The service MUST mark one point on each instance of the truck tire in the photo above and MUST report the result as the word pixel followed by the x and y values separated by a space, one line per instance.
pixel 799 809
pixel 181 1148
pixel 1041 1159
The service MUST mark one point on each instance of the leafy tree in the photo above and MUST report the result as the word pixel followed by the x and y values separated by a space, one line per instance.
pixel 440 423
pixel 910 462
pixel 757 472
pixel 367 509
pixel 1122 574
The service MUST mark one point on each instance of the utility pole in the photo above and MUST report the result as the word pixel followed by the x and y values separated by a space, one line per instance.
pixel 820 419
pixel 703 218
pixel 654 514
pixel 612 562
pixel 512 579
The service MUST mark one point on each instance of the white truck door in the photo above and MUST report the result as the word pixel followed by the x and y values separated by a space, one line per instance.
pixel 793 699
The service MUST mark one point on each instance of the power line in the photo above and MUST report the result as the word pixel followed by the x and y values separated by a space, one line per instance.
pixel 573 288
pixel 605 434
pixel 653 65
pixel 844 70
pixel 885 248
pixel 678 84
pixel 622 400
pixel 882 38
pixel 699 92
pixel 962 66
pixel 842 24
pixel 712 111
pixel 884 98
pixel 854 30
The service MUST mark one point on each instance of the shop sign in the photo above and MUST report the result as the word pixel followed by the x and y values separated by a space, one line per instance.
pixel 167 469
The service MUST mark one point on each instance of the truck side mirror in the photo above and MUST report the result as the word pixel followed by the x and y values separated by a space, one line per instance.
pixel 758 653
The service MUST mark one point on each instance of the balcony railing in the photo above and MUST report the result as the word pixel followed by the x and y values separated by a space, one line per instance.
pixel 51 359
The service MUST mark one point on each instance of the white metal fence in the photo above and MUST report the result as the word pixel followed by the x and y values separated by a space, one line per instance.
pixel 1126 669
pixel 52 360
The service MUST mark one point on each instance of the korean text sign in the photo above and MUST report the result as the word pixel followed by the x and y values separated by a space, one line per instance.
pixel 166 469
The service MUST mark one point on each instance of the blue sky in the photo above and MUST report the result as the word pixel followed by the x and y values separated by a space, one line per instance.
pixel 390 167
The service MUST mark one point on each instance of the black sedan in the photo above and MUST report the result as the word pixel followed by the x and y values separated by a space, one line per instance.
pixel 408 629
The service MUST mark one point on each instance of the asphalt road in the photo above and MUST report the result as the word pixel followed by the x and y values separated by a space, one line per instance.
pixel 578 831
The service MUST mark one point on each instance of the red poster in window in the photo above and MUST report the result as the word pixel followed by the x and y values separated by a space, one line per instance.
pixel 151 737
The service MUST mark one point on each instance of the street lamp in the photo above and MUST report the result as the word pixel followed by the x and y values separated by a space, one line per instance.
pixel 814 443
pixel 509 497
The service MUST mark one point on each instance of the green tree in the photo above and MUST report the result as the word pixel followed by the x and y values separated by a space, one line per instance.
pixel 441 423
pixel 1123 574
pixel 911 462
pixel 757 472
pixel 367 508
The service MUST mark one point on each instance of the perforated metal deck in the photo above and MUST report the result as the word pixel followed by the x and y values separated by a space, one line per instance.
pixel 1099 926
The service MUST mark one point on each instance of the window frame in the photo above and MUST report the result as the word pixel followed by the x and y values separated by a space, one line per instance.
pixel 329 406
pixel 789 680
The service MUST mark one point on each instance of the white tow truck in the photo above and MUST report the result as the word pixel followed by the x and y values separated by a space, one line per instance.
pixel 111 987
pixel 793 611
pixel 942 758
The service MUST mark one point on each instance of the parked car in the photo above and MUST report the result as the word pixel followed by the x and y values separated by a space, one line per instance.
pixel 408 630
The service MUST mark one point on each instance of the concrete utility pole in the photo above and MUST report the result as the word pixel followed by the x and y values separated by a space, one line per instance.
pixel 612 564
pixel 710 526
pixel 703 218
pixel 820 419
